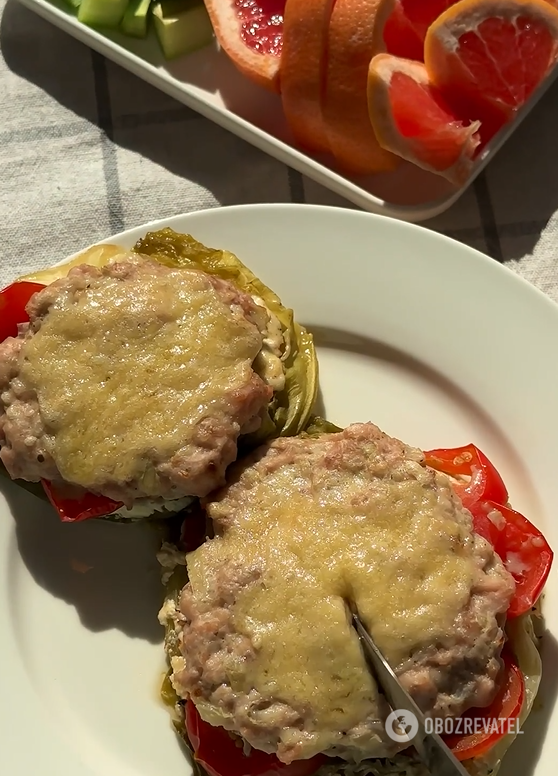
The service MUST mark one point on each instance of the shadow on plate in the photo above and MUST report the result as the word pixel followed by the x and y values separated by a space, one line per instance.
pixel 335 339
pixel 107 571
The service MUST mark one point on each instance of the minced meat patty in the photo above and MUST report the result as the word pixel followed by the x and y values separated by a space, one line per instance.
pixel 132 381
pixel 261 637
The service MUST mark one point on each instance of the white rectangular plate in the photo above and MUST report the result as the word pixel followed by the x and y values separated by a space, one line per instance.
pixel 208 82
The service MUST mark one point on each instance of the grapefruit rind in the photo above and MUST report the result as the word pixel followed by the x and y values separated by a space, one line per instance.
pixel 305 30
pixel 355 35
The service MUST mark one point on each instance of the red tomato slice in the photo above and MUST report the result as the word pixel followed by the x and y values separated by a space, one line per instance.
pixel 486 483
pixel 13 301
pixel 74 510
pixel 506 705
pixel 527 556
pixel 521 546
pixel 483 525
pixel 220 755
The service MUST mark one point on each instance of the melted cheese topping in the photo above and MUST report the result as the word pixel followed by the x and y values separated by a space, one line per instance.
pixel 320 530
pixel 125 371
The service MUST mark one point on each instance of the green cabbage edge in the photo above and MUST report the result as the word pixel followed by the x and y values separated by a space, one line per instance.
pixel 290 408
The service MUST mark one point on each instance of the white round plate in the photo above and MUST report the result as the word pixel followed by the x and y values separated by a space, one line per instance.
pixel 432 341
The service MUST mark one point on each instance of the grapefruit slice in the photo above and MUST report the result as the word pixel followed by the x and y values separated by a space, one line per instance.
pixel 251 33
pixel 411 119
pixel 355 35
pixel 488 56
pixel 406 26
pixel 303 58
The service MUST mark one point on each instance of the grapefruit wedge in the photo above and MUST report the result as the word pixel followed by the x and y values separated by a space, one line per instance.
pixel 411 119
pixel 355 35
pixel 303 59
pixel 406 26
pixel 251 33
pixel 488 56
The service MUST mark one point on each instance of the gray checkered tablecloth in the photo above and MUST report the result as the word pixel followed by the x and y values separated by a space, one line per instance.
pixel 87 149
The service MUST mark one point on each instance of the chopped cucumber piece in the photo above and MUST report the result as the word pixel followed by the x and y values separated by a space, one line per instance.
pixel 102 13
pixel 74 3
pixel 136 18
pixel 182 26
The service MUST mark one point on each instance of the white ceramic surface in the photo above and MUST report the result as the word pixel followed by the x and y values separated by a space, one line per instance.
pixel 434 342
pixel 208 82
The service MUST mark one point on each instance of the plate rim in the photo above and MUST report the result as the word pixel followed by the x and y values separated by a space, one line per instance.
pixel 478 255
